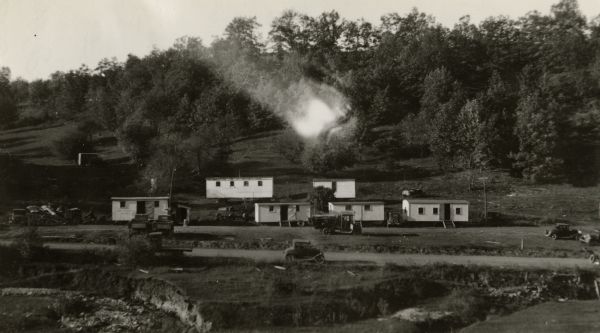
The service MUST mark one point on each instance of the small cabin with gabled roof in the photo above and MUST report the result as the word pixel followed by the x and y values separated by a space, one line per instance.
pixel 435 210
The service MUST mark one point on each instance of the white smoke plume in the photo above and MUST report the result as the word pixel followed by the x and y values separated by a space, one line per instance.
pixel 309 107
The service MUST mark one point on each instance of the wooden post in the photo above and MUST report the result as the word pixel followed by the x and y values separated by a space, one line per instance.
pixel 597 289
pixel 521 244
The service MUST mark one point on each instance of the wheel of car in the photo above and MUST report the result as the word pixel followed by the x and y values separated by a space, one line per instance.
pixel 320 259
pixel 554 236
pixel 592 258
pixel 326 231
pixel 289 258
pixel 300 223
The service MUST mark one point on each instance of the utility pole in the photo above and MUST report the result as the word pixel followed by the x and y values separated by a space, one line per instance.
pixel 483 179
pixel 171 185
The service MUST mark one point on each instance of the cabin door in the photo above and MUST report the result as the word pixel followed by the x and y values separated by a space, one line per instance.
pixel 446 212
pixel 140 207
pixel 283 213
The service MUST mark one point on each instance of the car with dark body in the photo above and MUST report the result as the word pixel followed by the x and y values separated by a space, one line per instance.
pixel 303 250
pixel 562 231
pixel 338 222
pixel 163 224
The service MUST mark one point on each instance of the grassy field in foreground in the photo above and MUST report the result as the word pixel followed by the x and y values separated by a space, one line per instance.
pixel 551 317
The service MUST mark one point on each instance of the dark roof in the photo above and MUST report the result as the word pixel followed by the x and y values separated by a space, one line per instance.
pixel 333 179
pixel 433 201
pixel 238 178
pixel 357 202
pixel 281 203
pixel 139 198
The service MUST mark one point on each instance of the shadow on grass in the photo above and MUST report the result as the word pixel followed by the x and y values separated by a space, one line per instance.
pixel 15 142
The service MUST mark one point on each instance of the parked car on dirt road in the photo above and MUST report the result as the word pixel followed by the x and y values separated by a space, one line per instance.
pixel 339 222
pixel 562 231
pixel 303 250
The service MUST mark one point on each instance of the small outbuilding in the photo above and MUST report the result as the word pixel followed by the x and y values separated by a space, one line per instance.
pixel 239 187
pixel 364 211
pixel 282 212
pixel 435 210
pixel 342 188
pixel 125 208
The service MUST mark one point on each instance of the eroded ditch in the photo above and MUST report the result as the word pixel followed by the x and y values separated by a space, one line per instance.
pixel 463 294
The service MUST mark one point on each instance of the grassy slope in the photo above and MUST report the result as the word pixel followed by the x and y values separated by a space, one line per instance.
pixel 256 156
pixel 571 316
pixel 33 144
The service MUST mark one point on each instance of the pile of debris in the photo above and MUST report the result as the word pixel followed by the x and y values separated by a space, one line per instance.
pixel 47 215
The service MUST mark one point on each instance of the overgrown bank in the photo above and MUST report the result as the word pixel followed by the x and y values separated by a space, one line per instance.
pixel 207 296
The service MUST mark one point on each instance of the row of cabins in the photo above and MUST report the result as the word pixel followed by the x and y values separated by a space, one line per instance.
pixel 414 210
pixel 417 210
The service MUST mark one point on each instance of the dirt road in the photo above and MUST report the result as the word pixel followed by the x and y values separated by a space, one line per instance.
pixel 377 258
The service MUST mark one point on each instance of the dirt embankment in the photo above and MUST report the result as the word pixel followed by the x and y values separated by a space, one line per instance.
pixel 288 303
pixel 118 283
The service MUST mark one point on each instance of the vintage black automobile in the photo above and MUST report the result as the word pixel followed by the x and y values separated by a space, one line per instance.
pixel 337 223
pixel 303 250
pixel 562 231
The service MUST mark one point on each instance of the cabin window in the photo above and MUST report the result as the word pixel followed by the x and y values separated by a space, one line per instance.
pixel 435 211
pixel 245 183
pixel 368 207
pixel 218 184
pixel 271 208
pixel 231 183
pixel 260 183
pixel 421 211
pixel 297 208
pixel 458 211
pixel 122 204
pixel 348 207
pixel 156 204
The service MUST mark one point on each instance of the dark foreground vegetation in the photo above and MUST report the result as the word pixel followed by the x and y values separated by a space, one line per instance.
pixel 519 93
pixel 233 294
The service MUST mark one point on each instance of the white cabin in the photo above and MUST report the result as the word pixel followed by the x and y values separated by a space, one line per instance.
pixel 125 208
pixel 433 210
pixel 342 188
pixel 364 211
pixel 239 187
pixel 274 212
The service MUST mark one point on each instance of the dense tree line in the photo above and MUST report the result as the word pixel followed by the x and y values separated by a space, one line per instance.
pixel 513 93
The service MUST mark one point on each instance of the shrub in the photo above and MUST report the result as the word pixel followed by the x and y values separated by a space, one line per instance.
pixel 331 155
pixel 320 198
pixel 72 143
pixel 290 145
pixel 135 251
